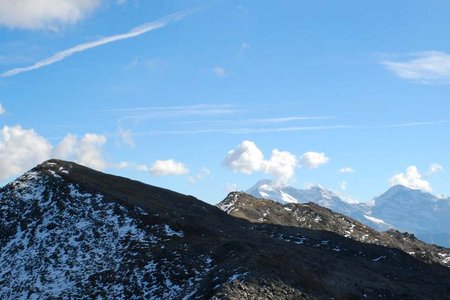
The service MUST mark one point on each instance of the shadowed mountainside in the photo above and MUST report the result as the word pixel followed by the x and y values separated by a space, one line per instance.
pixel 312 216
pixel 71 232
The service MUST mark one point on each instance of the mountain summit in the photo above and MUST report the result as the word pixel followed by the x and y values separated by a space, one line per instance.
pixel 400 208
pixel 286 194
pixel 312 216
pixel 71 232
pixel 415 211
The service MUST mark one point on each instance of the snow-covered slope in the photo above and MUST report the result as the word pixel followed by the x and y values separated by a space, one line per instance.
pixel 60 242
pixel 286 194
pixel 69 232
pixel 401 208
pixel 415 211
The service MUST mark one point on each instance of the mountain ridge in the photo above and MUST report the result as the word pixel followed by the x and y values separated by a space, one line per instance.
pixel 72 232
pixel 400 207
pixel 311 215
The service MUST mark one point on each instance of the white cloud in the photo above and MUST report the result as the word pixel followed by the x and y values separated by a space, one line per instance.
pixel 346 170
pixel 434 168
pixel 219 71
pixel 20 150
pixel 44 14
pixel 122 165
pixel 66 148
pixel 137 31
pixel 313 160
pixel 168 167
pixel 430 66
pixel 87 151
pixel 2 109
pixel 411 178
pixel 281 165
pixel 246 158
pixel 344 185
pixel 143 168
pixel 126 137
pixel 204 172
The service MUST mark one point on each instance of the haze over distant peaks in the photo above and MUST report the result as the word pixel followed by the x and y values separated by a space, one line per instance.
pixel 400 207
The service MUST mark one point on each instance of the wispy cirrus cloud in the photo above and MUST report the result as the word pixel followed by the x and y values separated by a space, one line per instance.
pixel 219 71
pixel 232 129
pixel 161 112
pixel 232 119
pixel 413 124
pixel 423 67
pixel 138 115
pixel 237 130
pixel 256 121
pixel 346 170
pixel 137 31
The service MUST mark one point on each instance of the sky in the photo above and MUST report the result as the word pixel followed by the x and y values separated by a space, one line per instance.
pixel 206 97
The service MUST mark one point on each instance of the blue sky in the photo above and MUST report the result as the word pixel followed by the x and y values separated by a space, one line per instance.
pixel 205 97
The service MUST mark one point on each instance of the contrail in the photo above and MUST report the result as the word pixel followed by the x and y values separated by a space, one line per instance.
pixel 160 23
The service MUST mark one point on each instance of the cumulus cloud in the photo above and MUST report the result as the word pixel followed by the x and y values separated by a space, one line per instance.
pixel 346 170
pixel 44 14
pixel 66 147
pixel 411 178
pixel 313 160
pixel 344 185
pixel 168 167
pixel 87 150
pixel 434 168
pixel 219 71
pixel 247 158
pixel 430 66
pixel 281 165
pixel 2 109
pixel 20 150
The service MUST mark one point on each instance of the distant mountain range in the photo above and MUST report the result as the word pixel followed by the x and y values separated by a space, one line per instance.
pixel 313 216
pixel 404 209
pixel 69 232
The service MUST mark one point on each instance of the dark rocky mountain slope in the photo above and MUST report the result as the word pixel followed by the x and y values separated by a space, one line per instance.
pixel 69 232
pixel 312 216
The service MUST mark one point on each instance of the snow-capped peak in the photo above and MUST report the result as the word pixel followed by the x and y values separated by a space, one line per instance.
pixel 317 194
